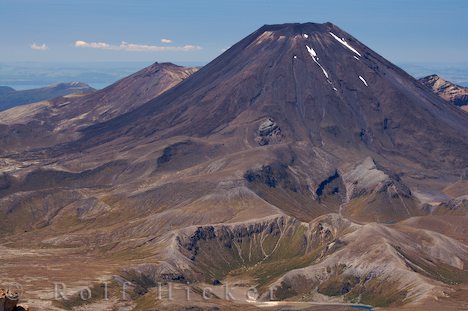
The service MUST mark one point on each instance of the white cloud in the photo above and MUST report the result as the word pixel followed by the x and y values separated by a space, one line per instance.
pixel 166 40
pixel 94 45
pixel 39 47
pixel 132 47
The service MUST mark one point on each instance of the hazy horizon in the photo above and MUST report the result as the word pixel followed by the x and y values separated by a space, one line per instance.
pixel 99 74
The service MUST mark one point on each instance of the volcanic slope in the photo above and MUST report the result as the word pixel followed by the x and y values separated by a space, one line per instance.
pixel 54 121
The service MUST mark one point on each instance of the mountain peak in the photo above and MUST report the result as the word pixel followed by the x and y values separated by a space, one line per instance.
pixel 164 64
pixel 167 67
pixel 72 85
pixel 298 27
pixel 297 38
pixel 447 90
pixel 319 84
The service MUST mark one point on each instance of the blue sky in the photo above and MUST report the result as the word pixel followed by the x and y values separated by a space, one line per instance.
pixel 401 30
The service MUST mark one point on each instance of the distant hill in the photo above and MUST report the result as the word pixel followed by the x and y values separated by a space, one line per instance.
pixel 10 97
pixel 4 90
pixel 451 92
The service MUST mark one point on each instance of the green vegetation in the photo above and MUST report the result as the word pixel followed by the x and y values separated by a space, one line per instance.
pixel 436 270
pixel 369 290
pixel 285 291
pixel 338 285
pixel 264 252
pixel 378 293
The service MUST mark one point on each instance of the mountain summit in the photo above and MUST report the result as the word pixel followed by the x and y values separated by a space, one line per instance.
pixel 299 161
pixel 320 85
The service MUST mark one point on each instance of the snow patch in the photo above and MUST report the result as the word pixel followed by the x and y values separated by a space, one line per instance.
pixel 363 81
pixel 356 57
pixel 295 56
pixel 343 42
pixel 305 35
pixel 313 54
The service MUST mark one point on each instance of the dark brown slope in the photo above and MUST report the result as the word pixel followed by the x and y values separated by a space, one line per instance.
pixel 272 74
pixel 447 90
pixel 132 91
pixel 59 120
